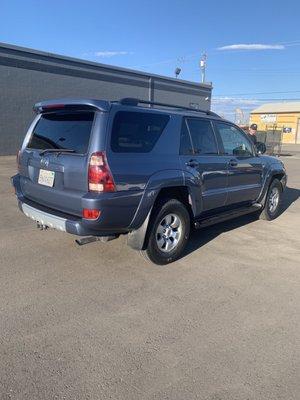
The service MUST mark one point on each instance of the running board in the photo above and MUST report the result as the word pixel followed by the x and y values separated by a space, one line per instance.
pixel 203 222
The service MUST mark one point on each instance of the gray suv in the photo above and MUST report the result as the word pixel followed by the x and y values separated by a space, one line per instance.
pixel 99 169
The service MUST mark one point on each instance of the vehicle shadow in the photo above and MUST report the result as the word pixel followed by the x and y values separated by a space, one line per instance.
pixel 290 195
pixel 203 236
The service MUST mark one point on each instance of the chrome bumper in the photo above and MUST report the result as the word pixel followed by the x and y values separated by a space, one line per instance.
pixel 52 221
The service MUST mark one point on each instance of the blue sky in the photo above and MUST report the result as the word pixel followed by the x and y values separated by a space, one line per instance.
pixel 263 56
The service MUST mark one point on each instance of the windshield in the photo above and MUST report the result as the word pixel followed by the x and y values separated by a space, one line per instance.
pixel 63 130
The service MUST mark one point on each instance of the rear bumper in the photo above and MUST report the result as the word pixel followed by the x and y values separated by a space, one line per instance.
pixel 106 225
pixel 43 218
pixel 63 222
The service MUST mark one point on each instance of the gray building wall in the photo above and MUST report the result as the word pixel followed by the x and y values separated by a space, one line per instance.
pixel 28 76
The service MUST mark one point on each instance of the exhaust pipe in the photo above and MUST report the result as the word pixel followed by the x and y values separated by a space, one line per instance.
pixel 91 239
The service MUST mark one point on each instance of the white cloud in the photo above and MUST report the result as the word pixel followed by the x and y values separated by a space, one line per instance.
pixel 234 101
pixel 253 47
pixel 111 53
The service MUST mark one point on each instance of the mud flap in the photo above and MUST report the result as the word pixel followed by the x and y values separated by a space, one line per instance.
pixel 136 238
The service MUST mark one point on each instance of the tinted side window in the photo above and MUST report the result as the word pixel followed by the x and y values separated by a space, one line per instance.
pixel 136 132
pixel 186 146
pixel 234 141
pixel 202 135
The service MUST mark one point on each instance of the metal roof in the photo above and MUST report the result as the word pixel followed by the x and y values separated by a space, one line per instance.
pixel 289 107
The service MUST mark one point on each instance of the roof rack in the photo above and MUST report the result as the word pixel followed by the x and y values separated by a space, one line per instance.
pixel 130 101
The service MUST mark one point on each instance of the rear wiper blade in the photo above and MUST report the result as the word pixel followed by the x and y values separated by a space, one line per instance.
pixel 56 151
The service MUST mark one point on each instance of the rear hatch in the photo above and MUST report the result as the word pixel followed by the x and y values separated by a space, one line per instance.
pixel 53 163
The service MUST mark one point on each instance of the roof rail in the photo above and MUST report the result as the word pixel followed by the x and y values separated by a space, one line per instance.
pixel 130 101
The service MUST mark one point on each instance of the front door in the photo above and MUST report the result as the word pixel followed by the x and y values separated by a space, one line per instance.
pixel 202 163
pixel 245 168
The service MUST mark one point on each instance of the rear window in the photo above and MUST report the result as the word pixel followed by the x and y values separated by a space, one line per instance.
pixel 137 132
pixel 63 131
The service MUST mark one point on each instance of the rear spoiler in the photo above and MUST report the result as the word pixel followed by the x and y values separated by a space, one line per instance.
pixel 71 104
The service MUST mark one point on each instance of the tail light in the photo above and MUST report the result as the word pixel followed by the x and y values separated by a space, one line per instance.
pixel 99 174
pixel 18 160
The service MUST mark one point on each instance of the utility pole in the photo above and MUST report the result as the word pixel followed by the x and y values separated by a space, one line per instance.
pixel 203 66
pixel 239 116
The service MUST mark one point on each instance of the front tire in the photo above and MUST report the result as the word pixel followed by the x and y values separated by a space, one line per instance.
pixel 273 201
pixel 168 232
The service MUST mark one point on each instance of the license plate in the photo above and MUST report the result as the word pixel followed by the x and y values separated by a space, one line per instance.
pixel 46 178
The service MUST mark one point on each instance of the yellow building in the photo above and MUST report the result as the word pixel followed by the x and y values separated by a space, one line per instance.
pixel 279 116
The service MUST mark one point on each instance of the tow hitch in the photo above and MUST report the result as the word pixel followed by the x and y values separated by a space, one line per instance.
pixel 91 239
pixel 42 227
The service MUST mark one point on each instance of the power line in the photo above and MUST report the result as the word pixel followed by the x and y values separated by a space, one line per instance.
pixel 192 56
pixel 253 69
pixel 256 93
pixel 259 100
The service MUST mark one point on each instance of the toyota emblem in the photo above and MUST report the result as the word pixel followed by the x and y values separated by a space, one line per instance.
pixel 45 161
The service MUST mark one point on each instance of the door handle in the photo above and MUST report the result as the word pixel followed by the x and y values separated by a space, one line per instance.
pixel 192 163
pixel 233 163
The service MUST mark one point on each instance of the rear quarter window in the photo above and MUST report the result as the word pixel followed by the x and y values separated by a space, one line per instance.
pixel 136 132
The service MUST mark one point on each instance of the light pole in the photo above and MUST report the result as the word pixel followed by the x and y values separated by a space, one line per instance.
pixel 177 72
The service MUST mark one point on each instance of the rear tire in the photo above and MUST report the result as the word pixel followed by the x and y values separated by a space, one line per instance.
pixel 273 201
pixel 168 232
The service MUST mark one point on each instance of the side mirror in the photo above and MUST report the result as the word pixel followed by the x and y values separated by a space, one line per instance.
pixel 261 148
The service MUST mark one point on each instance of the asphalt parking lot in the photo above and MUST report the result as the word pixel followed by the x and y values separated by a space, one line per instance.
pixel 99 322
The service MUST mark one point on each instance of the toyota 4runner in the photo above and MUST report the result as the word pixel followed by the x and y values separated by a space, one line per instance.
pixel 99 169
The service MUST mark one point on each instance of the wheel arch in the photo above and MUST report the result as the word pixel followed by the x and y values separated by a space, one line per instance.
pixel 273 174
pixel 136 237
pixel 278 176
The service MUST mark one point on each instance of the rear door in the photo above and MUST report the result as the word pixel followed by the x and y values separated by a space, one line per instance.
pixel 54 160
pixel 245 168
pixel 200 158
